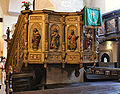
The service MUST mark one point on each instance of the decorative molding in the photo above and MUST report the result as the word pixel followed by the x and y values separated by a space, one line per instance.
pixel 35 17
pixel 35 57
pixel 73 58
pixel 73 19
pixel 54 18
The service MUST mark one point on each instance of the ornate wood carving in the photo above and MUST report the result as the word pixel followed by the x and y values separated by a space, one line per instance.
pixel 54 58
pixel 35 36
pixel 73 58
pixel 36 18
pixel 71 37
pixel 54 37
pixel 35 57
pixel 36 39
pixel 54 18
pixel 72 19
pixel 60 40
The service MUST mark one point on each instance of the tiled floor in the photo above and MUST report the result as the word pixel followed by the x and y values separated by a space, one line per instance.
pixel 85 88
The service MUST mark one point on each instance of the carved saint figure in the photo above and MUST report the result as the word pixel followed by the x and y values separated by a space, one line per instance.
pixel 88 40
pixel 35 39
pixel 72 41
pixel 54 44
pixel 8 33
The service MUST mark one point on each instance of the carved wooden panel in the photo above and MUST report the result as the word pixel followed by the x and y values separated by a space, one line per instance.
pixel 72 19
pixel 35 57
pixel 88 56
pixel 72 37
pixel 60 38
pixel 54 37
pixel 36 18
pixel 54 18
pixel 54 58
pixel 73 58
pixel 35 36
pixel 21 46
pixel 88 39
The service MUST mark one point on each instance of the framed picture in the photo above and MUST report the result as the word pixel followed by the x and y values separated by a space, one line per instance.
pixel 119 23
pixel 110 26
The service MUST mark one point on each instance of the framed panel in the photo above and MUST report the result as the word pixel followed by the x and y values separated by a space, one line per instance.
pixel 35 37
pixel 119 23
pixel 110 26
pixel 72 38
pixel 54 41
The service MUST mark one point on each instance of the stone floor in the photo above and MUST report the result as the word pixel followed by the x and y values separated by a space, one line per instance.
pixel 2 90
pixel 81 88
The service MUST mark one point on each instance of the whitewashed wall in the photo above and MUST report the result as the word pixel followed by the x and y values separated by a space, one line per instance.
pixel 67 5
pixel 15 6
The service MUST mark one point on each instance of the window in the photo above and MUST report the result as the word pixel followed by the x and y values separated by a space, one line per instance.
pixel 105 58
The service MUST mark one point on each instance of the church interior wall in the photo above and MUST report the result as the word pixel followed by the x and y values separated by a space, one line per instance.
pixel 110 48
pixel 111 5
pixel 8 22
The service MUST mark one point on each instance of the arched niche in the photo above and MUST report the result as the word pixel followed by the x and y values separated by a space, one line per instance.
pixel 54 37
pixel 38 27
pixel 72 34
pixel 105 58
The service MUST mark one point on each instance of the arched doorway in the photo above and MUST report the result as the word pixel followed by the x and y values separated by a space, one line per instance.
pixel 105 58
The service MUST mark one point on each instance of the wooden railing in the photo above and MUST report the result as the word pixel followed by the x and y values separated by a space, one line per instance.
pixel 16 45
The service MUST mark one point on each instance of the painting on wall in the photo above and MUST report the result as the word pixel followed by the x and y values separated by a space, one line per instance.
pixel 72 37
pixel 110 25
pixel 119 23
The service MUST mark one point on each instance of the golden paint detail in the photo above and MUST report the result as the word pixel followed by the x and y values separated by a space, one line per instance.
pixel 54 58
pixel 54 18
pixel 72 19
pixel 36 18
pixel 20 48
pixel 34 56
pixel 73 58
pixel 33 26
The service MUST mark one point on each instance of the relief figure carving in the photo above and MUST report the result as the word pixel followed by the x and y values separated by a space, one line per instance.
pixel 72 41
pixel 87 40
pixel 55 43
pixel 35 39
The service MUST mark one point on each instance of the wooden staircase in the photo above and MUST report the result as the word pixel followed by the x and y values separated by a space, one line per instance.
pixel 23 81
